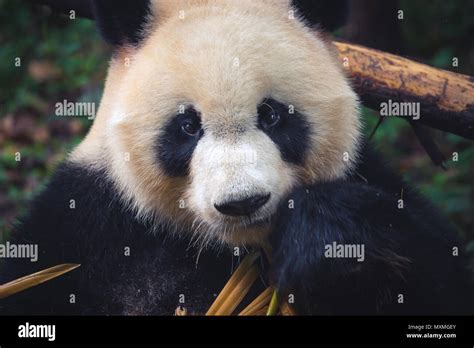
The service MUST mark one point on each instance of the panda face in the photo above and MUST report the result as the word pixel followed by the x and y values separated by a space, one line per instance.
pixel 221 114
pixel 242 167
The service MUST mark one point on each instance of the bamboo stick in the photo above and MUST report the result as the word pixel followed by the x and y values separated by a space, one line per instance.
pixel 239 292
pixel 273 307
pixel 243 268
pixel 34 279
pixel 259 303
pixel 287 310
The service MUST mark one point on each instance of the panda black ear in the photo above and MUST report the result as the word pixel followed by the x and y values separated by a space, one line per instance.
pixel 121 22
pixel 329 14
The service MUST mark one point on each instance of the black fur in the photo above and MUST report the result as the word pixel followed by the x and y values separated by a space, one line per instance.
pixel 291 134
pixel 95 234
pixel 121 21
pixel 407 252
pixel 329 15
pixel 174 147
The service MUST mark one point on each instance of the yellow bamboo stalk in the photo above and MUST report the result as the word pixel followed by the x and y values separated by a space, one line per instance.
pixel 243 268
pixel 239 292
pixel 287 310
pixel 273 307
pixel 259 303
pixel 261 312
pixel 34 279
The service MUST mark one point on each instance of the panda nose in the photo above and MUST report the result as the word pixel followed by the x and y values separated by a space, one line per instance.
pixel 246 206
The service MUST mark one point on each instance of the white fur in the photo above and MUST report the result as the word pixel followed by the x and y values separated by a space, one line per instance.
pixel 224 58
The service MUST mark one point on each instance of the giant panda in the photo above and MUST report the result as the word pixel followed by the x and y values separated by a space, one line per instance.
pixel 230 124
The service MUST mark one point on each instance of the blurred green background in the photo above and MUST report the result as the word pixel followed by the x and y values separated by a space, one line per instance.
pixel 65 59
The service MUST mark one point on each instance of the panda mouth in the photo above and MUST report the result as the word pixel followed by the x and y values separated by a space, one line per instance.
pixel 249 221
pixel 259 222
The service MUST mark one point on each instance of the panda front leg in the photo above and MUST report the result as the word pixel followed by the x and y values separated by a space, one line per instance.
pixel 343 248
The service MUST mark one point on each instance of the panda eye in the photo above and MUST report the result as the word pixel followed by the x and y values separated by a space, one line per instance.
pixel 189 127
pixel 267 116
pixel 191 124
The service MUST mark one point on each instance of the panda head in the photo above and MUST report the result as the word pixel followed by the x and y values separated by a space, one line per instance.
pixel 214 111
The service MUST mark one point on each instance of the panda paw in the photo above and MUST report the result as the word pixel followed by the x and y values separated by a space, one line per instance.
pixel 317 217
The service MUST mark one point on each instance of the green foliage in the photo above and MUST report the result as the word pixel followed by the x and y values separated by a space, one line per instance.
pixel 61 59
pixel 70 47
pixel 439 30
pixel 451 189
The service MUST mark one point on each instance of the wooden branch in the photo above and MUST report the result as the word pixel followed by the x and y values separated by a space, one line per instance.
pixel 446 98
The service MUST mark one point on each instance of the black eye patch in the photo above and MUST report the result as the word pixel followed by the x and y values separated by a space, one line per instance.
pixel 287 128
pixel 176 144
